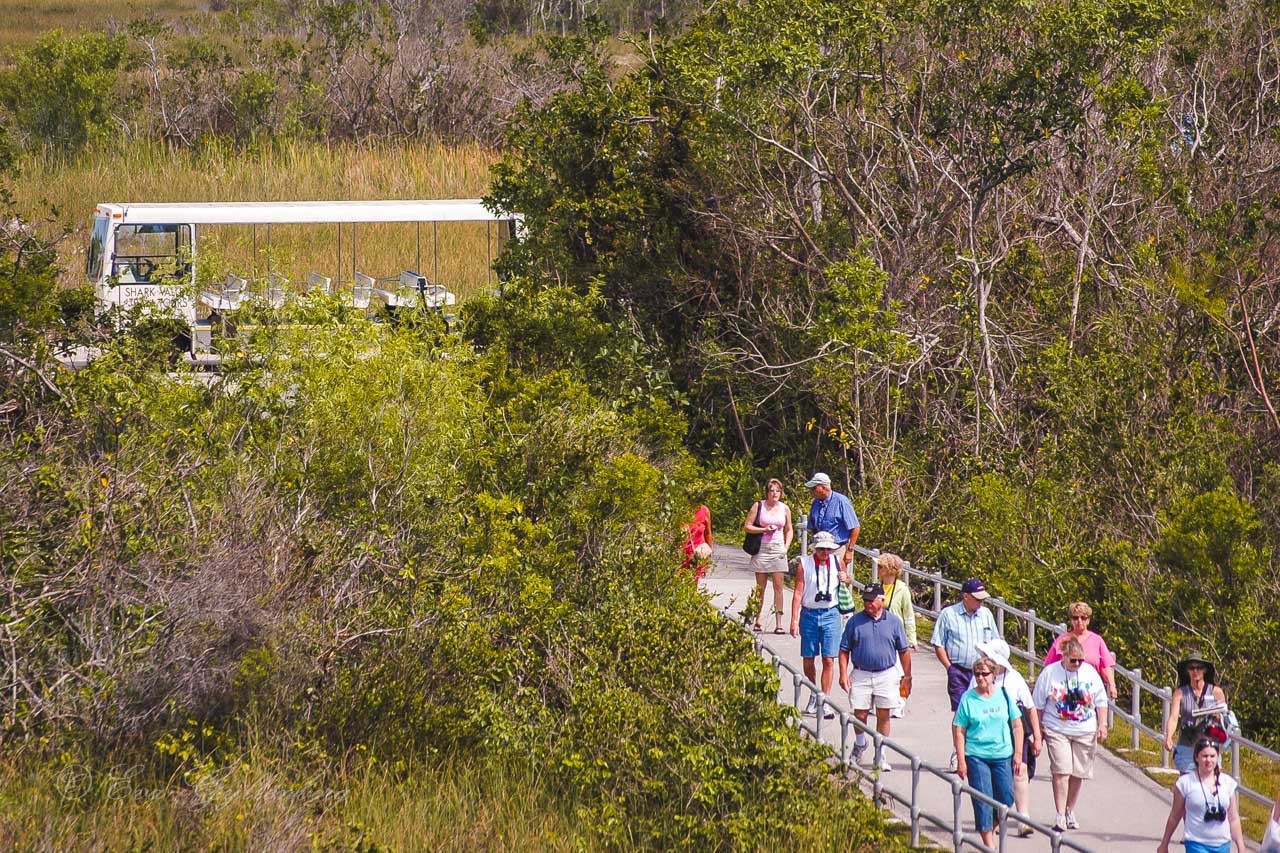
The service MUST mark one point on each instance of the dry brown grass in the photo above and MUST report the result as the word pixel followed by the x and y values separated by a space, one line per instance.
pixel 24 21
pixel 456 254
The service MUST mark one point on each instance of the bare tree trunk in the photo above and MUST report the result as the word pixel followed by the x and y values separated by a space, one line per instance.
pixel 737 421
pixel 1081 252
pixel 982 291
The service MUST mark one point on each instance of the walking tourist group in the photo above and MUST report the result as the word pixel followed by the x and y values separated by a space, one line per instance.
pixel 1001 726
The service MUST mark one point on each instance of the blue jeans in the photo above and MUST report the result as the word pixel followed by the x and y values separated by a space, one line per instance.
pixel 1184 761
pixel 993 777
pixel 819 632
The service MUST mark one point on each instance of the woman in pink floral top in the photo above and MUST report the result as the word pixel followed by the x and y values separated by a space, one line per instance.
pixel 1096 653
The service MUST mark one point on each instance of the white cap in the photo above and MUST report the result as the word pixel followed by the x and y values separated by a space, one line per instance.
pixel 818 479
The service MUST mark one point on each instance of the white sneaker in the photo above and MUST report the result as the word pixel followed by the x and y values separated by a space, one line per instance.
pixel 1024 831
pixel 859 749
pixel 1060 823
pixel 1072 823
pixel 885 766
pixel 812 707
pixel 951 765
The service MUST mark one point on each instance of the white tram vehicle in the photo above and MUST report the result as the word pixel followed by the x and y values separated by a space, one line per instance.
pixel 145 256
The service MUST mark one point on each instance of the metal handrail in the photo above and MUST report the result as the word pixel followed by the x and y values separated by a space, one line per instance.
pixel 951 823
pixel 1138 684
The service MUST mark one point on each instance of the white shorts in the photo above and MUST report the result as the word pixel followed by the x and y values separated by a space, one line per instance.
pixel 869 690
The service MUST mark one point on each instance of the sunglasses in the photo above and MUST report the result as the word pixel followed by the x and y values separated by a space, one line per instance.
pixel 1075 618
pixel 984 673
pixel 1075 660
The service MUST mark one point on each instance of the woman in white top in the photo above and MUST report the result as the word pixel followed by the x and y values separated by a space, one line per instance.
pixel 1206 801
pixel 1072 699
pixel 1012 682
pixel 1271 838
pixel 772 518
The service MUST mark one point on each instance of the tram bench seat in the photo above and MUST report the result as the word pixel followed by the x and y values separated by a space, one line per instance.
pixel 414 289
pixel 317 283
pixel 362 291
pixel 227 298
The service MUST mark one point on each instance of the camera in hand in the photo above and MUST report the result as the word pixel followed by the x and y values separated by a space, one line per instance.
pixel 1215 813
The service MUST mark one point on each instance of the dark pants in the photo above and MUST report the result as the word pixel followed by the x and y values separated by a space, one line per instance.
pixel 957 683
pixel 993 777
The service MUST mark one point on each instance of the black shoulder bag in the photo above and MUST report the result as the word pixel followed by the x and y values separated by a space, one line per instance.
pixel 751 542
pixel 1028 757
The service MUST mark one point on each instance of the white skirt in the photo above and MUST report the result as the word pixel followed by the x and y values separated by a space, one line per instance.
pixel 772 556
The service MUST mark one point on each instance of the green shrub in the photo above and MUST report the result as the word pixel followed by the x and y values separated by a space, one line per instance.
pixel 64 91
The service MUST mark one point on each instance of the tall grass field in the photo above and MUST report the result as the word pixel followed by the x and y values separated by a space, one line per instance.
pixel 458 255
pixel 24 21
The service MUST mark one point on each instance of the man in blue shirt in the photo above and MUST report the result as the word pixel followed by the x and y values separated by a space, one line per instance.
pixel 833 512
pixel 875 640
pixel 957 633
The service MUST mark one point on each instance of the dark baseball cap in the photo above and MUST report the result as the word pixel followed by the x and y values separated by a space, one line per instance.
pixel 871 592
pixel 976 588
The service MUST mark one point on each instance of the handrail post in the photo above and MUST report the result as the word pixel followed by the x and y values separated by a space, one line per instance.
pixel 818 718
pixel 844 737
pixel 875 562
pixel 1164 719
pixel 957 828
pixel 1031 644
pixel 1135 706
pixel 1236 770
pixel 795 702
pixel 937 594
pixel 877 774
pixel 1003 814
pixel 999 608
pixel 915 801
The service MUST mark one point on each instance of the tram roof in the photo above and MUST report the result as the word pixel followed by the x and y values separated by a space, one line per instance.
pixel 278 212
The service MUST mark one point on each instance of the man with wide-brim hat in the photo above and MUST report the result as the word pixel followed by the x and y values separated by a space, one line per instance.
pixel 1197 689
pixel 815 617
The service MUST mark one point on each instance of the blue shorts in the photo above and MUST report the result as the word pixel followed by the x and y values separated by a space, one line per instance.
pixel 819 632
pixel 1201 847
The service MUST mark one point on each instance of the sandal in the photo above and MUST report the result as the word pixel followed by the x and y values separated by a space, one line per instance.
pixel 758 628
pixel 779 630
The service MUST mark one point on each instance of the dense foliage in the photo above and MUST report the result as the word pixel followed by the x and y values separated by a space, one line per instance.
pixel 1009 270
pixel 258 71
pixel 372 544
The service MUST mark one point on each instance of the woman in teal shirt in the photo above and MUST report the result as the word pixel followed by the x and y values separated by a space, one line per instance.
pixel 987 730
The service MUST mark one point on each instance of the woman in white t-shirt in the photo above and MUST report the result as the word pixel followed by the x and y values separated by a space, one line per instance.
pixel 1072 699
pixel 1205 800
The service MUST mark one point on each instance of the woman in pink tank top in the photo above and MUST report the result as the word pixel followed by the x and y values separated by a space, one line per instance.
pixel 772 518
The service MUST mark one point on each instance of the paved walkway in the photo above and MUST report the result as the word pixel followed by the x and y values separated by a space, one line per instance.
pixel 1120 809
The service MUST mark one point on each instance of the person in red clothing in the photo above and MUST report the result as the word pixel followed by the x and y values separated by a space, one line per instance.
pixel 698 542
